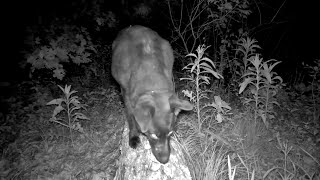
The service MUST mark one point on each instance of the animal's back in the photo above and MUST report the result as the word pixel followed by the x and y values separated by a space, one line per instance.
pixel 142 61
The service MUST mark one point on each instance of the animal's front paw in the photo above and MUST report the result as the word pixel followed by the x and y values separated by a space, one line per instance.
pixel 134 142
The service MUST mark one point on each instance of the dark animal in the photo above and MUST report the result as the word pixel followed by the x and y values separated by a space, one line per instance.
pixel 142 64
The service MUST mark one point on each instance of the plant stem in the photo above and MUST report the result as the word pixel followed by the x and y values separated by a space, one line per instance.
pixel 267 103
pixel 198 94
pixel 256 97
pixel 314 99
pixel 69 117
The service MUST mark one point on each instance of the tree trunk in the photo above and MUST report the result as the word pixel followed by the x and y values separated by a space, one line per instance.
pixel 140 164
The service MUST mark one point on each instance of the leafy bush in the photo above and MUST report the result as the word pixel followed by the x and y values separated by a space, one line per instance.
pixel 262 84
pixel 247 48
pixel 59 46
pixel 199 71
pixel 220 23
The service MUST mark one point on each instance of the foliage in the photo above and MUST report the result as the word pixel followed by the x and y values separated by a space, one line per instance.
pixel 236 67
pixel 247 48
pixel 290 167
pixel 262 84
pixel 219 23
pixel 69 104
pixel 314 73
pixel 103 19
pixel 24 113
pixel 99 71
pixel 60 46
pixel 197 22
pixel 39 146
pixel 206 156
pixel 199 71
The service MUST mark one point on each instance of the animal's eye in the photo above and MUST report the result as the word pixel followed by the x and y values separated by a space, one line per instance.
pixel 170 133
pixel 153 136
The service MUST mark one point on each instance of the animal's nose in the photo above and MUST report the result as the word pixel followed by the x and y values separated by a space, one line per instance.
pixel 162 152
pixel 163 158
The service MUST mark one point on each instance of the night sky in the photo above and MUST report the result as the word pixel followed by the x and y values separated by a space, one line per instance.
pixel 292 36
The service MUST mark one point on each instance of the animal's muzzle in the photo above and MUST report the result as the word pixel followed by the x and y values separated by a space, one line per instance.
pixel 161 150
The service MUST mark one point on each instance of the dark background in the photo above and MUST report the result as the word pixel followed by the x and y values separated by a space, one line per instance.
pixel 292 37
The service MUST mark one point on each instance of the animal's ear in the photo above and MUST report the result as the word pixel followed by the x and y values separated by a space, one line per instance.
pixel 179 104
pixel 144 113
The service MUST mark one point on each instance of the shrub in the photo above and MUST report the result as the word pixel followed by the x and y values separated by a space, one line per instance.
pixel 59 46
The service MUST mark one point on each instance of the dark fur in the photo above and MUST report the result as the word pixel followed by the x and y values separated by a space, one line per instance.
pixel 142 64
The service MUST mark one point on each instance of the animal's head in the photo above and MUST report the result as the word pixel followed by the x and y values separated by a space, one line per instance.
pixel 155 114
